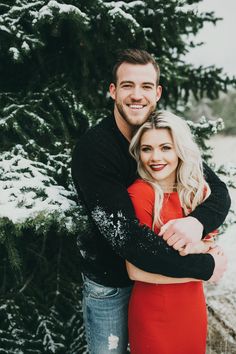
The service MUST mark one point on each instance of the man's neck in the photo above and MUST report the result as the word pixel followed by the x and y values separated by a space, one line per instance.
pixel 125 129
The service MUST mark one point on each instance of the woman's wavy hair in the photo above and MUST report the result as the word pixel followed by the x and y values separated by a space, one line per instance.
pixel 190 183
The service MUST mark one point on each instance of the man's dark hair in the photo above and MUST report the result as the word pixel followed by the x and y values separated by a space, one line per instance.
pixel 134 56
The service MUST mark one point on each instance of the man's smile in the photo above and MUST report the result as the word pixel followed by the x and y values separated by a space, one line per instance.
pixel 136 106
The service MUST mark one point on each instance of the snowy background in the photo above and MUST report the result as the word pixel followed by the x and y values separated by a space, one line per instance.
pixel 219 48
pixel 221 298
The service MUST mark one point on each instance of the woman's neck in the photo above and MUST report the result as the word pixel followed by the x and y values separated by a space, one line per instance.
pixel 167 187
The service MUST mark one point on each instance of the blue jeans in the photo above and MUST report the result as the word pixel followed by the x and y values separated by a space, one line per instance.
pixel 105 312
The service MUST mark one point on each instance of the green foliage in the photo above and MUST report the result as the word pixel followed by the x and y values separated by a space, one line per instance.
pixel 224 107
pixel 78 39
pixel 9 240
pixel 55 68
pixel 203 131
pixel 40 310
pixel 46 119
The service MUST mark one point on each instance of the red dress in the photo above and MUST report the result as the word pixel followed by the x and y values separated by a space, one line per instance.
pixel 165 318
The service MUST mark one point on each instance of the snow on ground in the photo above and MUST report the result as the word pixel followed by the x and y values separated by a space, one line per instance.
pixel 221 298
pixel 224 153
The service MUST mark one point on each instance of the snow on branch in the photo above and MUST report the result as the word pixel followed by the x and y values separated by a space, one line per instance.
pixel 119 4
pixel 208 126
pixel 19 24
pixel 27 188
pixel 53 7
pixel 119 9
pixel 23 5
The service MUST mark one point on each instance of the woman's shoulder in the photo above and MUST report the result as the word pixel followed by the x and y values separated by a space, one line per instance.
pixel 141 188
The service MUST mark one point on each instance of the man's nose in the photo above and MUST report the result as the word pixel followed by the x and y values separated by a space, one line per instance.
pixel 136 94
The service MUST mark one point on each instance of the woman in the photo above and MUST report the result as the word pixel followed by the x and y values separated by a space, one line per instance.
pixel 166 315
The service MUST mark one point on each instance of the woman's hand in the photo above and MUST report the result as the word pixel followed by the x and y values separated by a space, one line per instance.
pixel 198 247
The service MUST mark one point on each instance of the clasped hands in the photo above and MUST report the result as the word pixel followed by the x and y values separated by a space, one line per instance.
pixel 185 236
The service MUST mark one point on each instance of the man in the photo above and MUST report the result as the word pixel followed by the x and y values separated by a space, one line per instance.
pixel 102 170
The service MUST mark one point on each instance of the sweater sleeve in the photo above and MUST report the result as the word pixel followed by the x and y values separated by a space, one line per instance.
pixel 96 171
pixel 213 211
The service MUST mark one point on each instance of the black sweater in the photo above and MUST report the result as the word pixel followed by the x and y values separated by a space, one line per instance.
pixel 102 169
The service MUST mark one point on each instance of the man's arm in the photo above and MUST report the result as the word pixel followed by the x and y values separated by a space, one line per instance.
pixel 203 220
pixel 138 274
pixel 213 211
pixel 97 173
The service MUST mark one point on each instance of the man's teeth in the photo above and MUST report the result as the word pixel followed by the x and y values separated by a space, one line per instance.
pixel 136 106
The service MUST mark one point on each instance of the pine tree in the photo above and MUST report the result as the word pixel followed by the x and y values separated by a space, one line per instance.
pixel 55 67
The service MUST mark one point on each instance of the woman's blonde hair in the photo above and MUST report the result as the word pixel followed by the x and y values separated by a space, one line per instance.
pixel 191 185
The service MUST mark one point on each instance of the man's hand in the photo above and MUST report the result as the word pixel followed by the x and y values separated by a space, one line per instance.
pixel 220 264
pixel 180 232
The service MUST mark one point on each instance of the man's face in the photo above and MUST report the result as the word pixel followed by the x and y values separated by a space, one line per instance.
pixel 135 94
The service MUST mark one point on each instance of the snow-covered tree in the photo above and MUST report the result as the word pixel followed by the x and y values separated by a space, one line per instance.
pixel 77 40
pixel 55 67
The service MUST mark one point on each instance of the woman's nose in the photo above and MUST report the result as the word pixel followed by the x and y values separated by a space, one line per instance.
pixel 156 155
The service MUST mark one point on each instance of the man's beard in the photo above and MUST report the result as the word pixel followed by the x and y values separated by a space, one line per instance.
pixel 127 119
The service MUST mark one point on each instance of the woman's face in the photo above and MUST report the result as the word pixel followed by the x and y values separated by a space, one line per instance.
pixel 159 157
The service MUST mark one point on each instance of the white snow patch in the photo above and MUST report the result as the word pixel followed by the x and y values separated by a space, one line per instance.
pixel 117 12
pixel 109 224
pixel 120 8
pixel 119 4
pixel 47 10
pixel 215 125
pixel 23 7
pixel 4 29
pixel 25 47
pixel 113 342
pixel 187 8
pixel 27 189
pixel 147 30
pixel 15 53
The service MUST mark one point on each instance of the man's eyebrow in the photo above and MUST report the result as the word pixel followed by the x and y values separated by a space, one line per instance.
pixel 148 83
pixel 126 82
pixel 132 82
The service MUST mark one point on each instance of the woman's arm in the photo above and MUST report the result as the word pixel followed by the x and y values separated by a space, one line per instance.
pixel 138 274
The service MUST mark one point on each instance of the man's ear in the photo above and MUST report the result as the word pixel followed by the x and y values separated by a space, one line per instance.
pixel 112 90
pixel 159 92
